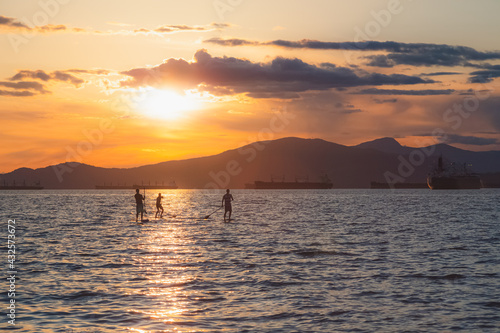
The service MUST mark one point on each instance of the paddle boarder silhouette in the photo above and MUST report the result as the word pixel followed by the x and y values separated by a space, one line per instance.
pixel 159 207
pixel 226 201
pixel 139 198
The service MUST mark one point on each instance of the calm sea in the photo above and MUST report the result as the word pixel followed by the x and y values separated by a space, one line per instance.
pixel 291 261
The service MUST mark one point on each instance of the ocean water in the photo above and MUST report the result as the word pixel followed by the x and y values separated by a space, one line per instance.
pixel 290 261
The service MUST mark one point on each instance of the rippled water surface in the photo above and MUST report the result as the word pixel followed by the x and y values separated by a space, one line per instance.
pixel 291 261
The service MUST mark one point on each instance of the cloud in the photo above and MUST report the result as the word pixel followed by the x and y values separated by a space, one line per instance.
pixel 350 111
pixel 21 75
pixel 23 93
pixel 41 75
pixel 89 71
pixel 431 55
pixel 485 76
pixel 466 140
pixel 471 140
pixel 170 29
pixel 307 44
pixel 471 92
pixel 384 101
pixel 52 28
pixel 426 92
pixel 176 28
pixel 11 22
pixel 22 86
pixel 233 42
pixel 414 54
pixel 65 77
pixel 243 76
pixel 440 73
pixel 26 85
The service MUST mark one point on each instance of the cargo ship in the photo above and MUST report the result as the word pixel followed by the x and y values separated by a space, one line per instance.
pixel 13 186
pixel 170 186
pixel 296 185
pixel 452 177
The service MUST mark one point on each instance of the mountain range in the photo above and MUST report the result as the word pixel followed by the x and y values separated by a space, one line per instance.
pixel 381 160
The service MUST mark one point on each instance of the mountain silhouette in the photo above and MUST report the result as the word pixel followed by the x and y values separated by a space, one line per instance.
pixel 386 145
pixel 282 159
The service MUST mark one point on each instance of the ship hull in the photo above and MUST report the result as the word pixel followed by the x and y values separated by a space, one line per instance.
pixel 454 182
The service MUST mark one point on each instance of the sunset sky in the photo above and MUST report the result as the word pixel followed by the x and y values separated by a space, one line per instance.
pixel 125 83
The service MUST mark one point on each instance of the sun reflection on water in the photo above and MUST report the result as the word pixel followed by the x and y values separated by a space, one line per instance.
pixel 161 257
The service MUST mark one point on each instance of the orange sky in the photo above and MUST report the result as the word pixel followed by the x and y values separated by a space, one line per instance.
pixel 127 83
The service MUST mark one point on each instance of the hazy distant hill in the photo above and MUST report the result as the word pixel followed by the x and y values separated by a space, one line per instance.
pixel 482 162
pixel 288 158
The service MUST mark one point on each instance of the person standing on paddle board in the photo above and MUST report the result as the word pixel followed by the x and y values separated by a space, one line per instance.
pixel 159 207
pixel 139 205
pixel 226 201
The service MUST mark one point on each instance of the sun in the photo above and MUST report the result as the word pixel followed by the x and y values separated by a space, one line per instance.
pixel 167 104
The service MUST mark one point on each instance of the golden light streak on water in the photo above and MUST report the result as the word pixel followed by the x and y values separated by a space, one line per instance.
pixel 163 246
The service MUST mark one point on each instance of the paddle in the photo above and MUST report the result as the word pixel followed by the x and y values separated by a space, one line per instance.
pixel 206 217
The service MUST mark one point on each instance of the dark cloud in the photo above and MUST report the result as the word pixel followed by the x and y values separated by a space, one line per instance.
pixel 350 111
pixel 232 42
pixel 374 91
pixel 310 44
pixel 23 93
pixel 23 88
pixel 439 55
pixel 471 92
pixel 488 133
pixel 380 60
pixel 21 75
pixel 243 76
pixel 66 77
pixel 426 55
pixel 470 140
pixel 41 75
pixel 25 85
pixel 11 22
pixel 414 54
pixel 440 73
pixel 487 75
pixel 385 101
